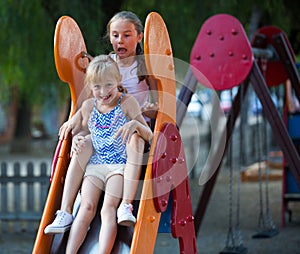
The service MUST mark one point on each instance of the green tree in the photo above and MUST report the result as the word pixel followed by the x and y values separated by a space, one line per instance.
pixel 26 58
pixel 25 64
pixel 185 18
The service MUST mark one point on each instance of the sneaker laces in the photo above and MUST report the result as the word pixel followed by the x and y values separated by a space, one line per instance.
pixel 129 207
pixel 60 215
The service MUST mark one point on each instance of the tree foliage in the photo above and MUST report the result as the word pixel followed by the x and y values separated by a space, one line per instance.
pixel 185 18
pixel 27 60
pixel 26 56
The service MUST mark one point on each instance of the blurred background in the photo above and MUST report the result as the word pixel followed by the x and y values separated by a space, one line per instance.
pixel 34 102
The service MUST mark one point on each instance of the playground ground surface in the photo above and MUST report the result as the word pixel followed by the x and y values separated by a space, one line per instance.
pixel 213 232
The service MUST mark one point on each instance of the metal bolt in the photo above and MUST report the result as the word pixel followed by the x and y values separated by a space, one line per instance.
pixel 151 218
pixel 168 52
pixel 173 137
pixel 164 202
pixel 234 31
pixel 174 160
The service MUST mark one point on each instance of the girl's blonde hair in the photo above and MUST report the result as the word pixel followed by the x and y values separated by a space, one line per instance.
pixel 100 69
pixel 132 18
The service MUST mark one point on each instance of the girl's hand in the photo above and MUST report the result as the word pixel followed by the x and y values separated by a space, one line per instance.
pixel 127 130
pixel 73 124
pixel 67 127
pixel 78 142
pixel 150 109
pixel 64 130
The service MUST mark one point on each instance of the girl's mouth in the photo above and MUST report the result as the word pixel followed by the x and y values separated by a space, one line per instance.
pixel 105 98
pixel 122 50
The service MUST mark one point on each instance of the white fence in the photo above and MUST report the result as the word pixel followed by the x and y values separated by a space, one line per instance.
pixel 23 192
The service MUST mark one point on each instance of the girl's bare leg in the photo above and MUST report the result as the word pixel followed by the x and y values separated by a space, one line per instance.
pixel 108 232
pixel 90 193
pixel 74 176
pixel 64 218
pixel 133 168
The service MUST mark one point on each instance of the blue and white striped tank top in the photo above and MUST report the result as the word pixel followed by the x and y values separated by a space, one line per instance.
pixel 107 148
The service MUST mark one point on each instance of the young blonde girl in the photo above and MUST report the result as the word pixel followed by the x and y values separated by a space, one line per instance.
pixel 110 119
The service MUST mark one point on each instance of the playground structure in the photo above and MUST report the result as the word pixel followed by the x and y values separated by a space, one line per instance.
pixel 260 87
pixel 221 58
pixel 70 64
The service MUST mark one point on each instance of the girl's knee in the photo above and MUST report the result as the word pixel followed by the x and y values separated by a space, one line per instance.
pixel 136 142
pixel 108 212
pixel 89 209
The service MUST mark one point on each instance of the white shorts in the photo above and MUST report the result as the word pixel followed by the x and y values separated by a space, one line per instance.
pixel 104 171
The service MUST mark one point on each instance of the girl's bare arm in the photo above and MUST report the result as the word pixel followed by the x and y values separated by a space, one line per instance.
pixel 137 122
pixel 150 109
pixel 73 124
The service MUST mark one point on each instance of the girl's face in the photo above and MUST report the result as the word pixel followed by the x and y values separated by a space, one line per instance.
pixel 105 92
pixel 124 38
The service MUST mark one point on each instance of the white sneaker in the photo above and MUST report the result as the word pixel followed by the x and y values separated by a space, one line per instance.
pixel 125 217
pixel 62 222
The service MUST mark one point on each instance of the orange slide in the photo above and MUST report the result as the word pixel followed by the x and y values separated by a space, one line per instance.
pixel 71 64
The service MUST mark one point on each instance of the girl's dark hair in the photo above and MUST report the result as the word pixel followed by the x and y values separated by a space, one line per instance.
pixel 133 18
pixel 122 89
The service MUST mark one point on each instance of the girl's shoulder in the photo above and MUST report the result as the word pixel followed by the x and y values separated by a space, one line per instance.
pixel 128 102
pixel 125 97
pixel 88 103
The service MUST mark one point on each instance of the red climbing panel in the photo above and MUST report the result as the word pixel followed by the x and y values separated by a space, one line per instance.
pixel 170 174
pixel 221 57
